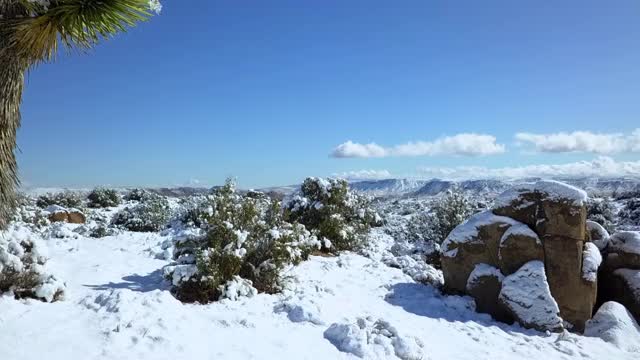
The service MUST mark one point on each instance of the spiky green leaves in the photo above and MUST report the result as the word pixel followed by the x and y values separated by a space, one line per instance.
pixel 72 24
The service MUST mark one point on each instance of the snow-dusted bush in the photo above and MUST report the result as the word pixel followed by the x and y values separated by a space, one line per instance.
pixel 102 198
pixel 339 217
pixel 66 199
pixel 152 214
pixel 22 270
pixel 446 213
pixel 603 212
pixel 630 213
pixel 246 240
pixel 136 195
pixel 196 210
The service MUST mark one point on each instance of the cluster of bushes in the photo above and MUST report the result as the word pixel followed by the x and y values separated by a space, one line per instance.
pixel 66 199
pixel 21 268
pixel 337 216
pixel 602 211
pixel 246 249
pixel 151 214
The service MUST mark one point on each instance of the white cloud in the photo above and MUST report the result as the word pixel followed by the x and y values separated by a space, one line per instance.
pixel 350 149
pixel 461 144
pixel 364 174
pixel 602 166
pixel 583 141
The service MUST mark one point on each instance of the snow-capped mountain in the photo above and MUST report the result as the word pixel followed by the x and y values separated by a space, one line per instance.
pixel 388 187
pixel 434 187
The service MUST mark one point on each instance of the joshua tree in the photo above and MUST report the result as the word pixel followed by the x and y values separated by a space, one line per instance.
pixel 31 31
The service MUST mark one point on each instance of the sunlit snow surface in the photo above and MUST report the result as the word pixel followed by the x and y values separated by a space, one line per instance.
pixel 117 306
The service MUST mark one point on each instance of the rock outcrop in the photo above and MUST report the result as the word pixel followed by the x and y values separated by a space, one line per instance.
pixel 543 224
pixel 61 214
pixel 619 279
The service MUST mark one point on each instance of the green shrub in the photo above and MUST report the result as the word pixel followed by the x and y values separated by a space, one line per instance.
pixel 102 198
pixel 22 268
pixel 136 195
pixel 196 210
pixel 445 214
pixel 247 243
pixel 67 199
pixel 339 217
pixel 602 211
pixel 152 214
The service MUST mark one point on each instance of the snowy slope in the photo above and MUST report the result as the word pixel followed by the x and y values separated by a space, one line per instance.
pixel 117 307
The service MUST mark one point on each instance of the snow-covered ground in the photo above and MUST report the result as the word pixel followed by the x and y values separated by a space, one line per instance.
pixel 117 306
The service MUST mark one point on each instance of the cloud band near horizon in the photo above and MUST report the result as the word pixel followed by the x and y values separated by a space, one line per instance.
pixel 466 144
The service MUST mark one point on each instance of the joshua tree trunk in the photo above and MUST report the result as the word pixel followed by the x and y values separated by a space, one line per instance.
pixel 12 71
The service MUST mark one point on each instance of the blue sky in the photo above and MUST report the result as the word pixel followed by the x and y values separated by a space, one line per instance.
pixel 266 90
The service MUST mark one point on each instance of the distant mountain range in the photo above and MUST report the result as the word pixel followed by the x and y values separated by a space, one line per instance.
pixel 407 187
pixel 420 188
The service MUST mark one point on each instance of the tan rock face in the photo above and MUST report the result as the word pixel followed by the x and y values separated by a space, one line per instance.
pixel 545 221
pixel 484 285
pixel 518 246
pixel 76 217
pixel 479 245
pixel 61 216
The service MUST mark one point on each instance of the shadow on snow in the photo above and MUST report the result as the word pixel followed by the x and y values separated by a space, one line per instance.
pixel 427 301
pixel 141 283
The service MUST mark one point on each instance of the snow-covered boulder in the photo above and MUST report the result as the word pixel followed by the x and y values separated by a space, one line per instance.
pixel 484 285
pixel 598 234
pixel 623 250
pixel 526 296
pixel 543 221
pixel 58 213
pixel 470 243
pixel 614 324
pixel 591 260
pixel 620 276
pixel 518 246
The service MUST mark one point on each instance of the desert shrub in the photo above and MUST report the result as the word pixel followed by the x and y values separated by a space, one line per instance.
pixel 630 212
pixel 152 214
pixel 22 271
pixel 246 249
pixel 136 195
pixel 602 211
pixel 445 214
pixel 66 199
pixel 196 210
pixel 102 198
pixel 339 217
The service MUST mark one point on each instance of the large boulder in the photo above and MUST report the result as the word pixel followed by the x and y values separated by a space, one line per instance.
pixel 526 296
pixel 484 285
pixel 544 222
pixel 623 251
pixel 76 217
pixel 619 279
pixel 614 324
pixel 598 234
pixel 623 286
pixel 61 214
pixel 471 243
